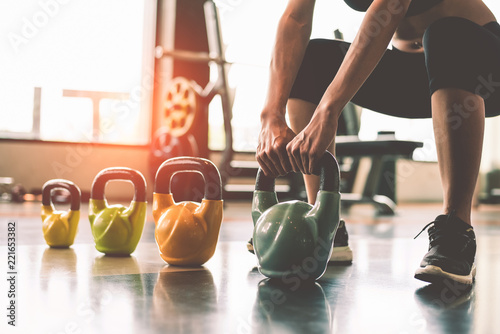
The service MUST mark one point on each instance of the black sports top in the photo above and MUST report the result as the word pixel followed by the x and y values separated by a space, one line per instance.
pixel 416 6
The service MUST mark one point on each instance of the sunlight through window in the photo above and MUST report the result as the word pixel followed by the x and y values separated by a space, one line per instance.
pixel 87 58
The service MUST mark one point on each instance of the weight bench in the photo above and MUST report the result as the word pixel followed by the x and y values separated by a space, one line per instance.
pixel 385 147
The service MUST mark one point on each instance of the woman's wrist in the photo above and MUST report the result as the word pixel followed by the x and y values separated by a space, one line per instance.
pixel 329 113
pixel 271 114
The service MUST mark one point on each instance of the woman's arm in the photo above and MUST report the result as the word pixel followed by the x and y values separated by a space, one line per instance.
pixel 368 47
pixel 292 37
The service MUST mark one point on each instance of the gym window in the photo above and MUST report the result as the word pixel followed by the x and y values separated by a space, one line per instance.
pixel 77 71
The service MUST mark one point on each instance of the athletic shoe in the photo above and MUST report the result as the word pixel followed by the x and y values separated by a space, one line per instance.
pixel 341 254
pixel 452 248
pixel 250 246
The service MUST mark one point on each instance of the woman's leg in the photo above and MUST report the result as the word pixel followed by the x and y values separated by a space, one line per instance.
pixel 299 114
pixel 319 66
pixel 460 57
pixel 458 118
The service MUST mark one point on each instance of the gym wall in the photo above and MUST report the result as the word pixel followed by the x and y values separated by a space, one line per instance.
pixel 33 163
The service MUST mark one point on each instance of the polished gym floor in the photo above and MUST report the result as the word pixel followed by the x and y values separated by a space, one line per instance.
pixel 78 290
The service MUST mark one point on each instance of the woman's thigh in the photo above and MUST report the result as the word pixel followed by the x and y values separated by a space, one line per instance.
pixel 462 54
pixel 398 86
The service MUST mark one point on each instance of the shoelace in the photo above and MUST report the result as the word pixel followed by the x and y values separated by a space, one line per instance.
pixel 436 233
pixel 425 227
pixel 452 213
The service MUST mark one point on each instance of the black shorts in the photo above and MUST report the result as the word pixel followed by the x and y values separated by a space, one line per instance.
pixel 457 54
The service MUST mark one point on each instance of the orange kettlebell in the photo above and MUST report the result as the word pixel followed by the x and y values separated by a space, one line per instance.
pixel 187 232
pixel 60 227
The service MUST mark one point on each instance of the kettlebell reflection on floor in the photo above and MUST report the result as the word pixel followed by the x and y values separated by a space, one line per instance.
pixel 188 296
pixel 58 263
pixel 285 308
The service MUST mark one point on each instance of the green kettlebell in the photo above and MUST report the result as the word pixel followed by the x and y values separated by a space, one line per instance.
pixel 60 227
pixel 117 229
pixel 294 239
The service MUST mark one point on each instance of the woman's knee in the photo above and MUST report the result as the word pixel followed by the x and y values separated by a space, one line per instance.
pixel 300 113
pixel 456 52
pixel 320 52
pixel 319 66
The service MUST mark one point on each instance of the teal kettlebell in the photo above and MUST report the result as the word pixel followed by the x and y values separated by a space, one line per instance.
pixel 117 229
pixel 294 239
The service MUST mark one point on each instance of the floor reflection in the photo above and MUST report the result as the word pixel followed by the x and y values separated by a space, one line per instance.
pixel 113 265
pixel 281 308
pixel 79 290
pixel 57 262
pixel 116 294
pixel 58 283
pixel 446 308
pixel 184 300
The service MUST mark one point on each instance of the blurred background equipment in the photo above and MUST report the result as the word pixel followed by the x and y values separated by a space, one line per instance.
pixel 180 119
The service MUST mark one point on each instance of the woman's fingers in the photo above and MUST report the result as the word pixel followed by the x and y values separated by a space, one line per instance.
pixel 266 164
pixel 294 154
pixel 284 162
pixel 293 164
pixel 313 162
pixel 274 161
pixel 303 157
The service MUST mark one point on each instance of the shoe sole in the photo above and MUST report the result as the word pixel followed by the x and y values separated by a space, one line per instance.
pixel 341 255
pixel 250 248
pixel 434 274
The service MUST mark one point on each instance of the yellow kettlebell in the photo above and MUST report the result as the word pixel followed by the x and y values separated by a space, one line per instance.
pixel 60 227
pixel 117 229
pixel 187 232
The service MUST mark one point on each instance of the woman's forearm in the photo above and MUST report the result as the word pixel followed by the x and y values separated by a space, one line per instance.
pixel 376 31
pixel 292 37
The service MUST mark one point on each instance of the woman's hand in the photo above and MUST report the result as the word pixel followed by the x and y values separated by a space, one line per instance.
pixel 273 139
pixel 310 144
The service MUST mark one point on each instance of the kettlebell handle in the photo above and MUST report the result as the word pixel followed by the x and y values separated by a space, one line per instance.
pixel 210 173
pixel 329 176
pixel 119 173
pixel 61 184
